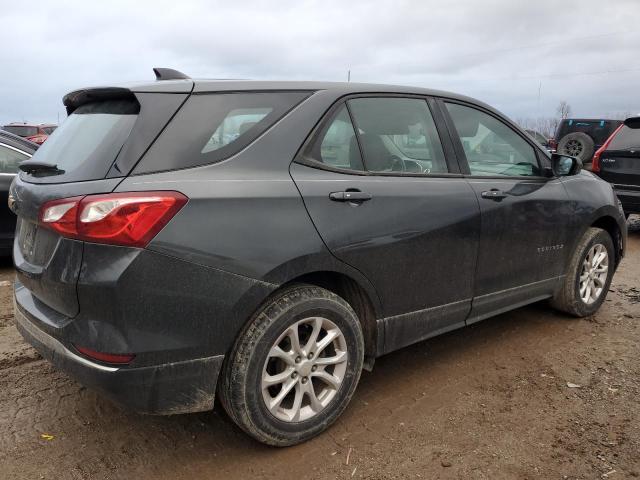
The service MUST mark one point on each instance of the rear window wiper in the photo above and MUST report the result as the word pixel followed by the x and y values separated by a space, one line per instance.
pixel 34 167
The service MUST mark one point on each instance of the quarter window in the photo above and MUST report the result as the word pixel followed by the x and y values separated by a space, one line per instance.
pixel 236 123
pixel 9 159
pixel 397 135
pixel 491 147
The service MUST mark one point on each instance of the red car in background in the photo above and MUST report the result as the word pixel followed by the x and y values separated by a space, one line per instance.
pixel 34 133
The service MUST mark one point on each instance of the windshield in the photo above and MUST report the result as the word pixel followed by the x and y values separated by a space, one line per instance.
pixel 88 141
pixel 21 130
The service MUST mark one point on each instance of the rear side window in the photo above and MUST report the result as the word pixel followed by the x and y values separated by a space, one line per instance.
pixel 86 144
pixel 398 135
pixel 336 144
pixel 10 158
pixel 626 139
pixel 212 127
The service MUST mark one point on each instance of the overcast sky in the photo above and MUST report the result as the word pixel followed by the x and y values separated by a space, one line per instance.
pixel 501 52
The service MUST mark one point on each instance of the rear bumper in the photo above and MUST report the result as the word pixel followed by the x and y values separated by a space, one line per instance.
pixel 169 388
pixel 630 198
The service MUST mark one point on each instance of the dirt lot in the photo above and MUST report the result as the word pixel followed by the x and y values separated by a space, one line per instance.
pixel 489 401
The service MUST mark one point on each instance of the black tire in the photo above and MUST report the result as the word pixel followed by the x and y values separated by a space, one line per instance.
pixel 567 298
pixel 577 144
pixel 240 387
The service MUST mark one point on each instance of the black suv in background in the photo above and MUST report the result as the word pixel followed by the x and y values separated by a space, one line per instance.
pixel 266 241
pixel 13 150
pixel 581 138
pixel 618 162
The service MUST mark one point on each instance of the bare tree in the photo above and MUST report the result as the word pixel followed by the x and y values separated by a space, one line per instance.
pixel 564 110
pixel 545 125
pixel 620 115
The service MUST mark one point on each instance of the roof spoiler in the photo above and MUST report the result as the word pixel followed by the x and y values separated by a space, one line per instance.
pixel 169 74
pixel 73 100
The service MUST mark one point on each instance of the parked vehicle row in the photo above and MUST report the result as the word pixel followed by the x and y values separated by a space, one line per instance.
pixel 32 132
pixel 13 150
pixel 618 162
pixel 581 138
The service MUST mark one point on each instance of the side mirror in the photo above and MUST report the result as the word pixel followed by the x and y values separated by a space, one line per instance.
pixel 564 165
pixel 633 122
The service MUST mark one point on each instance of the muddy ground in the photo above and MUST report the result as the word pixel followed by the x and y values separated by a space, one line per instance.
pixel 489 401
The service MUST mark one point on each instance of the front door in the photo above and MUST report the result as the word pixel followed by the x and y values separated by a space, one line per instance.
pixel 523 241
pixel 386 202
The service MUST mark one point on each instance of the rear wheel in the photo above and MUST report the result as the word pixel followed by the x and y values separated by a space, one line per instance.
pixel 589 275
pixel 295 367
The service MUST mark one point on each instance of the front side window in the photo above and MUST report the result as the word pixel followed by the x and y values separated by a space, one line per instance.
pixel 10 158
pixel 397 135
pixel 492 148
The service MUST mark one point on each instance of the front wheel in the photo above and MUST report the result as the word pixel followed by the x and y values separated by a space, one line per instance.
pixel 589 275
pixel 294 368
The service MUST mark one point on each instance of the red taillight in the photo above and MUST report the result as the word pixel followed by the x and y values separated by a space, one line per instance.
pixel 117 358
pixel 39 139
pixel 595 162
pixel 129 219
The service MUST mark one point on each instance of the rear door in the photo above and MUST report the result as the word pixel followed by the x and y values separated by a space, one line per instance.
pixel 620 165
pixel 386 201
pixel 525 215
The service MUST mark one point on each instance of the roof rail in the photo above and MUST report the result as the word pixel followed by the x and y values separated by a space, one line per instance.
pixel 169 74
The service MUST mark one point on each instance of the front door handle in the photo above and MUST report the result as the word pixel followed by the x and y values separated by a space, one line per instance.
pixel 355 196
pixel 494 194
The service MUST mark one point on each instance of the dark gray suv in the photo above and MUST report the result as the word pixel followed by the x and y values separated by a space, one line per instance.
pixel 266 241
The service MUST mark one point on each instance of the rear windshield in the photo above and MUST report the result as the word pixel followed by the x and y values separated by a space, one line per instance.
pixel 22 130
pixel 88 141
pixel 212 127
pixel 626 138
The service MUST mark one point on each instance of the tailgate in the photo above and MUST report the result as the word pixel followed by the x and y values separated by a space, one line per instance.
pixel 621 167
pixel 47 264
pixel 104 136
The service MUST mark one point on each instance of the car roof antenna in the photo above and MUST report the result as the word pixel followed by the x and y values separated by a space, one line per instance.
pixel 169 74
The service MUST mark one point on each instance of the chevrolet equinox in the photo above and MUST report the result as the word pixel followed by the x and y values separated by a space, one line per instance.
pixel 266 241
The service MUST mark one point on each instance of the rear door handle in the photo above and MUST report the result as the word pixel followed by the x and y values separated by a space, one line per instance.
pixel 350 196
pixel 494 194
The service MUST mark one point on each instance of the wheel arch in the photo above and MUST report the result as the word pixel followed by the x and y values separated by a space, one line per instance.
pixel 355 295
pixel 610 225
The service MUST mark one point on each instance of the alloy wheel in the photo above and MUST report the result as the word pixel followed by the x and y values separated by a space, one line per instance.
pixel 304 369
pixel 573 148
pixel 593 275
